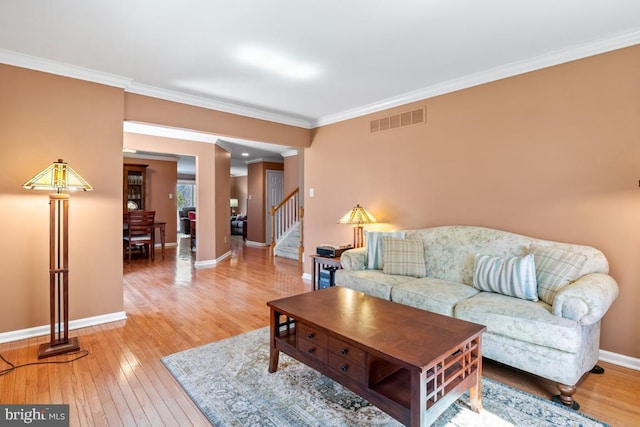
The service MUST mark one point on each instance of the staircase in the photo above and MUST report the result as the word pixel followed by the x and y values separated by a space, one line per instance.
pixel 287 246
pixel 287 228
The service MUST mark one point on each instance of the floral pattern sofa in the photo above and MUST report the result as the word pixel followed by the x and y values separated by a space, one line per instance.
pixel 556 339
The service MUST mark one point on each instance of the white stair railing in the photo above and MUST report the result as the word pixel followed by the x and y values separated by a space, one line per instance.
pixel 284 216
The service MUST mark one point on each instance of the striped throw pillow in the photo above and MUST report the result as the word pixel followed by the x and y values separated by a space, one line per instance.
pixel 374 256
pixel 404 257
pixel 556 267
pixel 513 276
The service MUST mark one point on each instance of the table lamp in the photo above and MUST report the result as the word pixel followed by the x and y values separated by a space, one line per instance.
pixel 58 177
pixel 358 216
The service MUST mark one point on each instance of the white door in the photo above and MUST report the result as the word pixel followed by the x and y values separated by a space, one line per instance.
pixel 275 193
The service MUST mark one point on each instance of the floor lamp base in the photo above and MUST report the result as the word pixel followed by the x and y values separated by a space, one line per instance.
pixel 49 349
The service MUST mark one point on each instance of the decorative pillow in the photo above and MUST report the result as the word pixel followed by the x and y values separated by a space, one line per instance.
pixel 373 259
pixel 403 257
pixel 513 276
pixel 556 267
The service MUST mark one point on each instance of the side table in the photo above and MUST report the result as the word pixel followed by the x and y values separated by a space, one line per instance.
pixel 320 262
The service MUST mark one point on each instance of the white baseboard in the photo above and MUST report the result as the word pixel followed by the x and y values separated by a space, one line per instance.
pixel 73 324
pixel 211 262
pixel 306 277
pixel 256 244
pixel 620 360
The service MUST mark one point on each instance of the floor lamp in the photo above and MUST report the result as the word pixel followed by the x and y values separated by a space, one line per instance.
pixel 58 177
pixel 358 216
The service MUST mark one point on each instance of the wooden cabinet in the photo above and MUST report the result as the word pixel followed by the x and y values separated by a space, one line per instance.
pixel 134 187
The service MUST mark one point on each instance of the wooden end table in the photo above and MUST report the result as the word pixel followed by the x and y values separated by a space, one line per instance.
pixel 410 363
pixel 320 262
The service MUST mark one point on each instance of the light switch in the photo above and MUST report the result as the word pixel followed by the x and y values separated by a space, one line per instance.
pixel 311 192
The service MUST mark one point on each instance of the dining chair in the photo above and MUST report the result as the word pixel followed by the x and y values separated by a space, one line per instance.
pixel 140 232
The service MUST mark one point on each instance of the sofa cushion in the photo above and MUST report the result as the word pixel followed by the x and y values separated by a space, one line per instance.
pixel 371 282
pixel 513 276
pixel 450 250
pixel 556 267
pixel 438 296
pixel 374 258
pixel 403 256
pixel 521 320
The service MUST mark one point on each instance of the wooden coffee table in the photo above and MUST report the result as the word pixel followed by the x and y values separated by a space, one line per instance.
pixel 408 362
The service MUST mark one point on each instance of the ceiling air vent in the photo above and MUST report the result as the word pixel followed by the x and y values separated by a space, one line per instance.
pixel 395 121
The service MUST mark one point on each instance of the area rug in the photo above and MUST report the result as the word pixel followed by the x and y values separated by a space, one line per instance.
pixel 228 380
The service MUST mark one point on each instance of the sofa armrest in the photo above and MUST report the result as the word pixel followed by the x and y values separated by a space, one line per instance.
pixel 353 259
pixel 587 299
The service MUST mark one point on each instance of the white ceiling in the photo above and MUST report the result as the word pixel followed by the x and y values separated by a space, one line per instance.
pixel 307 62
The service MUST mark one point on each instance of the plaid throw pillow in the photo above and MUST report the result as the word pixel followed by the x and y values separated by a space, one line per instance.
pixel 555 268
pixel 374 259
pixel 403 257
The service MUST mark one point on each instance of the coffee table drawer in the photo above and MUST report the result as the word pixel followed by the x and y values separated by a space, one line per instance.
pixel 313 349
pixel 347 367
pixel 310 334
pixel 346 351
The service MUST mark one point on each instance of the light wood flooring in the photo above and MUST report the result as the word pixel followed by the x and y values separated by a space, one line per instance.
pixel 172 307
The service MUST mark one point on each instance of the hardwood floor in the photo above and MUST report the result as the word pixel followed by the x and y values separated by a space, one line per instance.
pixel 173 307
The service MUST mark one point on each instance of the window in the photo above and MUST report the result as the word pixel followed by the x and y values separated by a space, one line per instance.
pixel 186 192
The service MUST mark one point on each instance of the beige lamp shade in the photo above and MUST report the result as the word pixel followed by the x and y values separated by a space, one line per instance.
pixel 58 176
pixel 357 216
pixel 233 203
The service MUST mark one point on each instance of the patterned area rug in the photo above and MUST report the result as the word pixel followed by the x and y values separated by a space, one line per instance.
pixel 229 382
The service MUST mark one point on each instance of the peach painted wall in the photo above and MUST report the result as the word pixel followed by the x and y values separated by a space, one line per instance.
pixel 239 191
pixel 553 154
pixel 222 196
pixel 162 176
pixel 255 203
pixel 291 174
pixel 46 117
pixel 256 210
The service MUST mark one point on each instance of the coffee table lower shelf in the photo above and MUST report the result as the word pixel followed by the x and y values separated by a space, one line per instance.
pixel 412 395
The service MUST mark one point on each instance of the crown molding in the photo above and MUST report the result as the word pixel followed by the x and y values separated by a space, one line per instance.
pixel 212 104
pixel 59 68
pixel 263 160
pixel 224 145
pixel 147 156
pixel 515 68
pixel 53 67
pixel 168 132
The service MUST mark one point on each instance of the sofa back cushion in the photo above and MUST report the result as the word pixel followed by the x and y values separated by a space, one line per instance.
pixel 450 251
